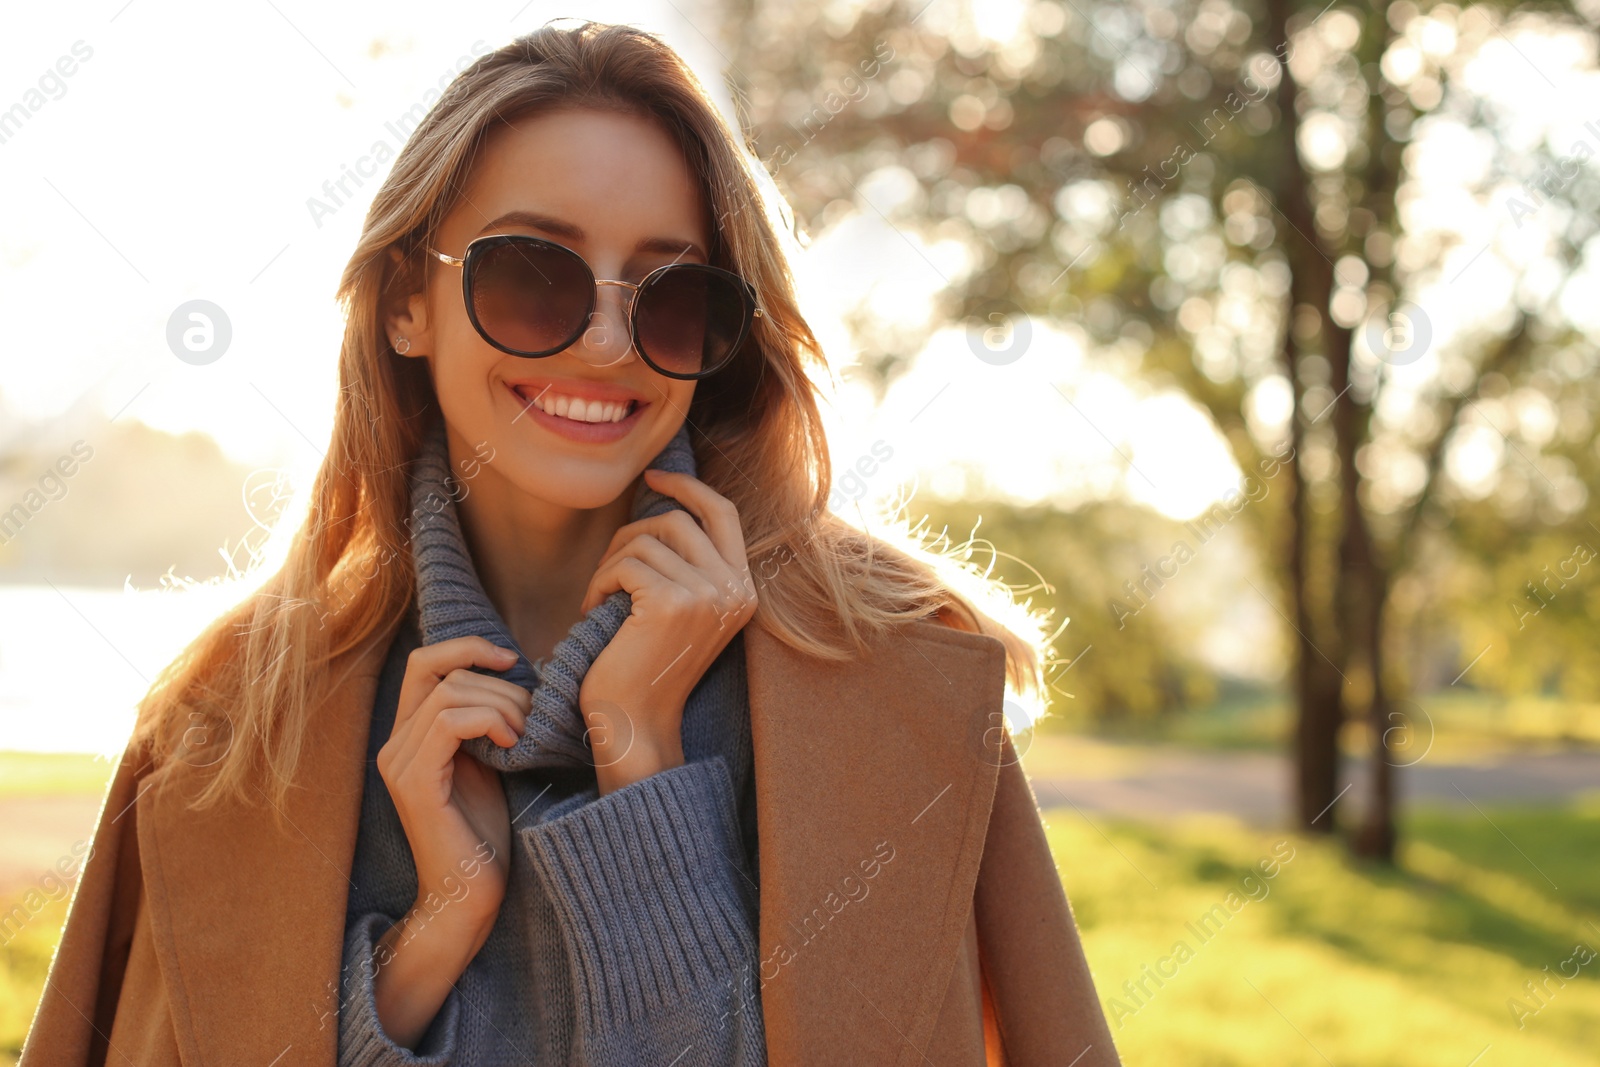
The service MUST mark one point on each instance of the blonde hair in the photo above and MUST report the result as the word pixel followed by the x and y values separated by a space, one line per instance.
pixel 757 431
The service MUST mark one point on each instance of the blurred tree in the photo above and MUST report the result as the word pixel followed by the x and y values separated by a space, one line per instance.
pixel 182 507
pixel 1088 556
pixel 1234 192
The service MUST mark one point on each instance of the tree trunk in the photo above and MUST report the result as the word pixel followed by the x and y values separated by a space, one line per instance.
pixel 1319 708
pixel 1362 593
pixel 1376 838
pixel 1364 572
pixel 1319 695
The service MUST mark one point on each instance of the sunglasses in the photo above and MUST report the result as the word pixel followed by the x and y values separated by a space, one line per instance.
pixel 531 297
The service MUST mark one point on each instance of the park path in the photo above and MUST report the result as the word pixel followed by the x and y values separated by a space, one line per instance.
pixel 1257 787
pixel 1133 781
pixel 37 832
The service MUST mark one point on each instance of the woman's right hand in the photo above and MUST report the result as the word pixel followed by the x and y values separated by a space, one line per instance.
pixel 453 810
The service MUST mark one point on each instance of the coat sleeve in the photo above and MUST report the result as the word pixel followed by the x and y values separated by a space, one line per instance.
pixel 1036 978
pixel 76 1011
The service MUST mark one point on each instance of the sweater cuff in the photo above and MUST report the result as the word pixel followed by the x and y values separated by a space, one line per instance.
pixel 650 888
pixel 362 1039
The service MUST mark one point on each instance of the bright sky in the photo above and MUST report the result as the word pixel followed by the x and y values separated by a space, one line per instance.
pixel 177 162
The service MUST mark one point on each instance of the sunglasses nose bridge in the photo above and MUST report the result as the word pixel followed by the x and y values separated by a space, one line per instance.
pixel 627 297
pixel 610 331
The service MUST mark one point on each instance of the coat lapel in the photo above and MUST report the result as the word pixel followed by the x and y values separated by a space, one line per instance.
pixel 247 904
pixel 874 781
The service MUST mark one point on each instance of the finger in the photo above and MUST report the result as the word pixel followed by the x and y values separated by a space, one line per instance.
pixel 438 744
pixel 468 687
pixel 627 574
pixel 443 738
pixel 427 666
pixel 673 567
pixel 679 531
pixel 459 724
pixel 510 690
pixel 452 693
pixel 461 689
pixel 715 512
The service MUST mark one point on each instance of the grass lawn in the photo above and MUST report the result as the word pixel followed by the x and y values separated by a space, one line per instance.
pixel 52 773
pixel 24 959
pixel 1451 725
pixel 1329 961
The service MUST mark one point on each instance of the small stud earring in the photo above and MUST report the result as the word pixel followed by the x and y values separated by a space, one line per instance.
pixel 402 345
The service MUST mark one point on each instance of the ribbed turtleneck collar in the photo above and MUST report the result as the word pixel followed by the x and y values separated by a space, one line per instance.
pixel 451 602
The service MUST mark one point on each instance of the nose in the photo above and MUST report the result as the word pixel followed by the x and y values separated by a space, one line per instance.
pixel 607 340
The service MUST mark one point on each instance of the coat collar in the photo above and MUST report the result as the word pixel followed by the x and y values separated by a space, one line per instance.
pixel 874 781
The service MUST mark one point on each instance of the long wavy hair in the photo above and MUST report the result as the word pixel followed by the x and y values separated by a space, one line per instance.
pixel 825 586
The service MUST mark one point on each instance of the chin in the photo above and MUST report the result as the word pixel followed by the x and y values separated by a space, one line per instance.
pixel 581 486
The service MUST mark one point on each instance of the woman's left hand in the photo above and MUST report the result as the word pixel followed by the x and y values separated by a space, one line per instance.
pixel 691 589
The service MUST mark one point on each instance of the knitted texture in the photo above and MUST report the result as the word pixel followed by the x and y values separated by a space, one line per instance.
pixel 451 605
pixel 628 932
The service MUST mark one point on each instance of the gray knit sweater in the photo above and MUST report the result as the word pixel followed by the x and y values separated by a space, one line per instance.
pixel 628 932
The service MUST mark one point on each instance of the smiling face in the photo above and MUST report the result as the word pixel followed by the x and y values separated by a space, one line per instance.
pixel 575 428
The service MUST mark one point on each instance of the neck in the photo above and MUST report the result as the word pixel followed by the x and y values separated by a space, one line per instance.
pixel 534 558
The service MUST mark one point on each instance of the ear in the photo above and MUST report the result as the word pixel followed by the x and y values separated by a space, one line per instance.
pixel 406 312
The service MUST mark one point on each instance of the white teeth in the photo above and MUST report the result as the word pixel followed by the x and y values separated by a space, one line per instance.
pixel 580 410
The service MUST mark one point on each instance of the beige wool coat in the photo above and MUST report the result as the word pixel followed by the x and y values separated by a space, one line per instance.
pixel 217 939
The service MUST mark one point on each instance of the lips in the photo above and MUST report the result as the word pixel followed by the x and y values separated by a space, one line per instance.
pixel 575 387
pixel 580 410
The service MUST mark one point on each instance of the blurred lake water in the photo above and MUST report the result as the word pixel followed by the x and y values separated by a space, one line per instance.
pixel 75 661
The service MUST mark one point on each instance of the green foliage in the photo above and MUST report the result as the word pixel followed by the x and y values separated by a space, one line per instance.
pixel 1384 967
pixel 1128 174
pixel 1127 661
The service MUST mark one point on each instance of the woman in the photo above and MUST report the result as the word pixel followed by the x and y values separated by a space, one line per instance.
pixel 477 776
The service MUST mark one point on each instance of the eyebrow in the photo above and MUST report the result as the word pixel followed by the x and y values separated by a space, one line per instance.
pixel 672 246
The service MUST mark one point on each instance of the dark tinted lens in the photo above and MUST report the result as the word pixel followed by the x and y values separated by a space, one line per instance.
pixel 690 318
pixel 530 297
